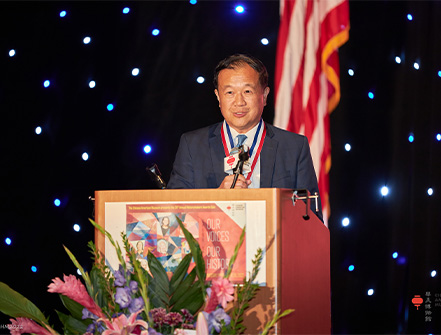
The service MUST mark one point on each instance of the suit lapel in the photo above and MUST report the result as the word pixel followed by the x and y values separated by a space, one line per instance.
pixel 217 152
pixel 268 158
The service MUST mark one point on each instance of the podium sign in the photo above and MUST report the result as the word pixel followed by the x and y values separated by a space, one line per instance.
pixel 295 269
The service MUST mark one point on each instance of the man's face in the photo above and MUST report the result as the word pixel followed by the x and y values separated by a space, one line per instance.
pixel 241 98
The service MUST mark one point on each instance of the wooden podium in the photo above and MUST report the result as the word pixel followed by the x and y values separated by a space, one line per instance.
pixel 296 251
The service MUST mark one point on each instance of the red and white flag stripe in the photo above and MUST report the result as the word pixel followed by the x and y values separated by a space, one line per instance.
pixel 307 85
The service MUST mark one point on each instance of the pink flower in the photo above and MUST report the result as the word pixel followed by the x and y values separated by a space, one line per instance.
pixel 75 290
pixel 25 326
pixel 223 290
pixel 123 325
pixel 201 325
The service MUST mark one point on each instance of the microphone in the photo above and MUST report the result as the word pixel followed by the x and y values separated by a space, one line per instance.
pixel 155 174
pixel 231 162
pixel 244 156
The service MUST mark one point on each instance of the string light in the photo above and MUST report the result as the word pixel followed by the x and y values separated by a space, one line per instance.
pixel 264 41
pixel 384 191
pixel 11 53
pixel 240 9
pixel 200 79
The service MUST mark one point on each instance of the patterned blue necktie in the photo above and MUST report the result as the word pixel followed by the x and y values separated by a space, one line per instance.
pixel 240 140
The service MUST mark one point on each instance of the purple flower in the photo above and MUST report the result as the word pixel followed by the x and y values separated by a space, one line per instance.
pixel 120 279
pixel 173 319
pixel 158 316
pixel 122 297
pixel 188 318
pixel 136 305
pixel 88 315
pixel 214 319
pixel 133 286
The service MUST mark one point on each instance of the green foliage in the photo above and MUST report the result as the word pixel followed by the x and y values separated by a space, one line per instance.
pixel 15 305
pixel 182 290
pixel 276 318
pixel 244 294
pixel 71 325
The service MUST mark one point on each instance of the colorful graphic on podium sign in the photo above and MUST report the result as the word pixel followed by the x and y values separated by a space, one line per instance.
pixel 216 226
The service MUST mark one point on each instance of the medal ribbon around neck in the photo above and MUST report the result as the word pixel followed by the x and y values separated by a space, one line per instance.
pixel 226 129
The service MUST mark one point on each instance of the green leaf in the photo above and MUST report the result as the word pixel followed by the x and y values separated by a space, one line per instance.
pixel 197 256
pixel 158 272
pixel 184 287
pixel 180 273
pixel 73 307
pixel 191 300
pixel 15 305
pixel 72 326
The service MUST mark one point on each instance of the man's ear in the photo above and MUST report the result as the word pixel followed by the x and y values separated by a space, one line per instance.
pixel 217 94
pixel 265 95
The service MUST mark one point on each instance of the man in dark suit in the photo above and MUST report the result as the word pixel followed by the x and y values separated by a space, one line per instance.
pixel 278 158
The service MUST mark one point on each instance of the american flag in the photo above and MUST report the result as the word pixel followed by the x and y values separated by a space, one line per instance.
pixel 307 79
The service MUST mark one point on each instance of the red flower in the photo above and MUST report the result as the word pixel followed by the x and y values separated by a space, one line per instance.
pixel 74 289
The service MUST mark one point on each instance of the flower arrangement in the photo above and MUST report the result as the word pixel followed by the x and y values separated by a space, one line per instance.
pixel 132 300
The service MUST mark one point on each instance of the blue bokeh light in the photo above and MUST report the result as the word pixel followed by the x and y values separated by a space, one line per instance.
pixel 87 40
pixel 155 32
pixel 439 73
pixel 135 72
pixel 38 130
pixel 348 147
pixel 430 191
pixel 76 227
pixel 416 66
pixel 200 80
pixel 8 241
pixel 147 149
pixel 240 9
pixel 11 53
pixel 371 95
pixel 46 83
pixel 395 255
pixel 264 41
pixel 110 107
pixel 370 291
pixel 433 273
pixel 63 13
pixel 193 2
pixel 411 138
pixel 345 222
pixel 398 60
pixel 57 202
pixel 33 268
pixel 384 191
pixel 351 72
pixel 351 267
pixel 92 84
pixel 126 10
pixel 438 137
pixel 409 17
pixel 85 156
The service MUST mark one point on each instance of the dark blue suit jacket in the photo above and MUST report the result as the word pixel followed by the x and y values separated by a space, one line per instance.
pixel 285 160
